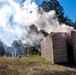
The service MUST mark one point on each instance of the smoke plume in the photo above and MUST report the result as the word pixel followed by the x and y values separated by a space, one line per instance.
pixel 20 18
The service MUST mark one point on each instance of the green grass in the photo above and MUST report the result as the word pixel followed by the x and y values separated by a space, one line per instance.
pixel 32 65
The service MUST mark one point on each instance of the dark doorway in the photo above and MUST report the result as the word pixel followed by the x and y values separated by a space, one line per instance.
pixel 70 53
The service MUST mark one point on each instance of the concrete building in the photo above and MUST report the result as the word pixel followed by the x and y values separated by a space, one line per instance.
pixel 56 47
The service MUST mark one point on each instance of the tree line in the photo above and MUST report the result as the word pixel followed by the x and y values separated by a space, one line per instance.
pixel 18 49
pixel 48 5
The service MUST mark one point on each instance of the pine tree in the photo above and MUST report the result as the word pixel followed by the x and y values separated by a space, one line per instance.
pixel 55 5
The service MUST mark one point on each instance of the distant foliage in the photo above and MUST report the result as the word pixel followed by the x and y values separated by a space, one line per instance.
pixel 18 47
pixel 74 25
pixel 2 51
pixel 1 43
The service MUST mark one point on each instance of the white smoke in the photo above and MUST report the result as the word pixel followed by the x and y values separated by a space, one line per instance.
pixel 9 29
pixel 32 36
pixel 17 17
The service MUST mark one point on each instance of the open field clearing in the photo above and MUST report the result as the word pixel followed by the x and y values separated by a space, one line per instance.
pixel 33 65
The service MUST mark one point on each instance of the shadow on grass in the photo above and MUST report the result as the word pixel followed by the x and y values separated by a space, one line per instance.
pixel 46 72
pixel 59 73
pixel 69 64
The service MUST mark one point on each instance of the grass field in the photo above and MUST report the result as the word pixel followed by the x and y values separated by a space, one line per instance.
pixel 32 65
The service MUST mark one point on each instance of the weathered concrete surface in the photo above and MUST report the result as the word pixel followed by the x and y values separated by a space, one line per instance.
pixel 54 47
